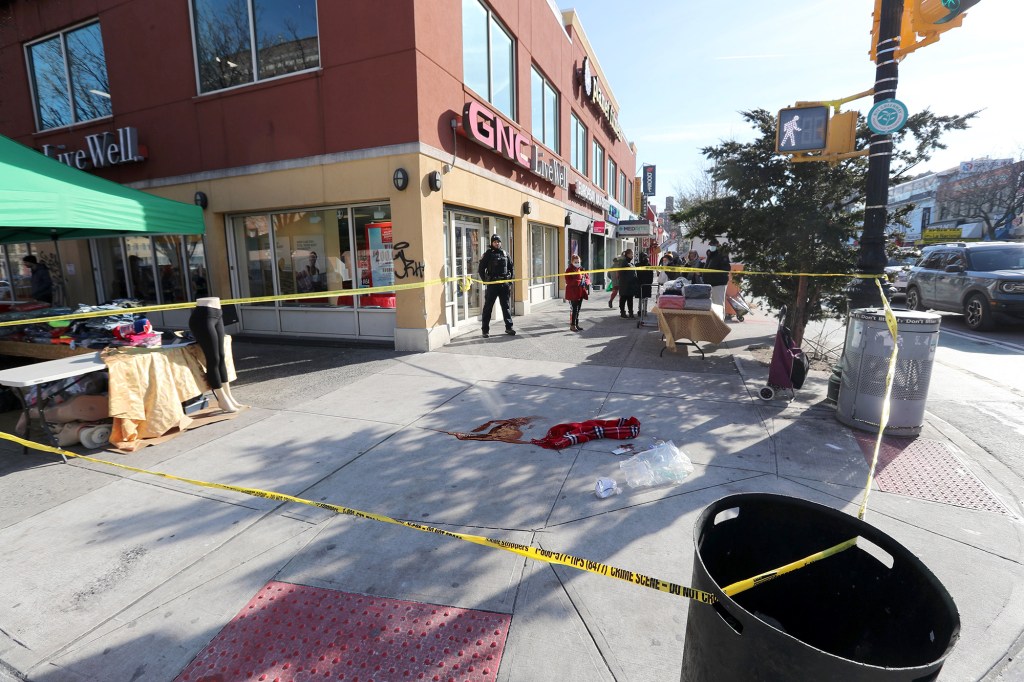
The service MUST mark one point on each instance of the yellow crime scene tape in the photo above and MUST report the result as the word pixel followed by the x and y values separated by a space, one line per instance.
pixel 523 550
pixel 535 553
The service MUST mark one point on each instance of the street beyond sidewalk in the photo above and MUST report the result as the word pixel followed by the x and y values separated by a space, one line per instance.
pixel 110 576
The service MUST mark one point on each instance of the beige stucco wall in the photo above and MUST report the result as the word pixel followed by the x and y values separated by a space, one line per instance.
pixel 417 216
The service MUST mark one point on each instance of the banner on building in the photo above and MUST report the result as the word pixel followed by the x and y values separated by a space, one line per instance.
pixel 649 181
pixel 637 196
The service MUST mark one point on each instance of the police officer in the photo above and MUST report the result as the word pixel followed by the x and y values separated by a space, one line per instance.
pixel 495 266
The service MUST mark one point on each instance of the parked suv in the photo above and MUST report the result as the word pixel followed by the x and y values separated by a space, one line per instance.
pixel 982 280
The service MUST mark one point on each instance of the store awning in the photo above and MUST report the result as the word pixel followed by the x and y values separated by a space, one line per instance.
pixel 42 199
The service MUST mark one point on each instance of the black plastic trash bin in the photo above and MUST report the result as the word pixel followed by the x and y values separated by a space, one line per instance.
pixel 871 613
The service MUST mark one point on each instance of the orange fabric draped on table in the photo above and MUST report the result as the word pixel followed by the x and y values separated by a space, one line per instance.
pixel 148 386
pixel 694 325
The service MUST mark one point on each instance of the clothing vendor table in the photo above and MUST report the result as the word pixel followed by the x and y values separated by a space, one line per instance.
pixel 146 389
pixel 687 327
pixel 34 376
pixel 41 351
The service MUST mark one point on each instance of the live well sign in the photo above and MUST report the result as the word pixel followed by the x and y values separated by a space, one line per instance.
pixel 102 150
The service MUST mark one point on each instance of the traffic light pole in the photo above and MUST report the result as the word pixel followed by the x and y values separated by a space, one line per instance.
pixel 863 293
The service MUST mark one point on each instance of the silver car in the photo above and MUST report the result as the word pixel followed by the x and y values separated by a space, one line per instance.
pixel 982 280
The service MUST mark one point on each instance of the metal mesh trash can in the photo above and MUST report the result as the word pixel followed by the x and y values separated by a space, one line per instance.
pixel 871 613
pixel 866 361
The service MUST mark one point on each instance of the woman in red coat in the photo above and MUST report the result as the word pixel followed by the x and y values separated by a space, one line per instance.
pixel 577 288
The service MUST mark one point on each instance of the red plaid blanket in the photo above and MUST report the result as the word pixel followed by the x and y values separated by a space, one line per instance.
pixel 566 435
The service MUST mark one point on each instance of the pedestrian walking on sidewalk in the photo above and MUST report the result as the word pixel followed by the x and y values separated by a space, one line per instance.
pixel 577 288
pixel 629 285
pixel 717 259
pixel 495 269
pixel 617 262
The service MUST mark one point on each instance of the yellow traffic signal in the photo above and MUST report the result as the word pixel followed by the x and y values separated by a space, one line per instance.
pixel 924 21
pixel 842 134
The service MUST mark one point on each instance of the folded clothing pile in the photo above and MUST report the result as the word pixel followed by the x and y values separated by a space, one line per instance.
pixel 680 296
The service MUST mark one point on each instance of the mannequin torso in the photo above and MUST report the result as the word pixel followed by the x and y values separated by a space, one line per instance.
pixel 208 302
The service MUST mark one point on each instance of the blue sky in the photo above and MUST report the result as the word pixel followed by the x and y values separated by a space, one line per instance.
pixel 681 70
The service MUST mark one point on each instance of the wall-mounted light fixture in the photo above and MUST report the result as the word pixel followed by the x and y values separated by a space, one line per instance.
pixel 568 219
pixel 434 181
pixel 200 199
pixel 527 208
pixel 401 179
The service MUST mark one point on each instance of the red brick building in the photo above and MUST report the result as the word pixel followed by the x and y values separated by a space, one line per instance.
pixel 335 145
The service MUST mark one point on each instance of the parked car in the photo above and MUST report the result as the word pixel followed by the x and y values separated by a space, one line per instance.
pixel 982 280
pixel 897 271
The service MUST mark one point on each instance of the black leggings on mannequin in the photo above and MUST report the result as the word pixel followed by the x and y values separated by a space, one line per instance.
pixel 207 326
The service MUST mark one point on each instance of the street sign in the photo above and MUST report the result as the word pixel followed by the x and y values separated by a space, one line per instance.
pixel 802 129
pixel 888 116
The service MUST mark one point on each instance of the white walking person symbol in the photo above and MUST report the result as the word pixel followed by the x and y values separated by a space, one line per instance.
pixel 789 131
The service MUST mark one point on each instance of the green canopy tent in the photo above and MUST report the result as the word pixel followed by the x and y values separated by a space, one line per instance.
pixel 42 199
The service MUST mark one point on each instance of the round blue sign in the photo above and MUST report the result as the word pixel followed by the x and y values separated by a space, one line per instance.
pixel 888 116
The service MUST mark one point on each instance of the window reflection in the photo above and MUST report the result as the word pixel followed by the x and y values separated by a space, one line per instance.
pixel 487 56
pixel 78 54
pixel 140 268
pixel 286 36
pixel 328 250
pixel 88 68
pixel 286 40
pixel 375 253
pixel 169 260
pixel 195 252
pixel 253 246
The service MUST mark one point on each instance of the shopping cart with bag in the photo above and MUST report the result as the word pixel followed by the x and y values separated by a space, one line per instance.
pixel 789 365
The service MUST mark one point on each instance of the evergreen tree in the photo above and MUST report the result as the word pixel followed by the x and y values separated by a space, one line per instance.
pixel 790 218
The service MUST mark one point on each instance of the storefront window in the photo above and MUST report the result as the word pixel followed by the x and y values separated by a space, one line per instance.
pixel 168 264
pixel 374 254
pixel 140 268
pixel 195 252
pixel 544 264
pixel 252 242
pixel 21 282
pixel 300 248
pixel 327 250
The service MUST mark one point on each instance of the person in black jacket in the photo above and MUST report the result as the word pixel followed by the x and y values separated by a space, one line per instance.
pixel 629 285
pixel 42 283
pixel 644 277
pixel 717 259
pixel 496 266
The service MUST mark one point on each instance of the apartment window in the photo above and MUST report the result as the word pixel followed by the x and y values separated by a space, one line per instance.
pixel 545 110
pixel 598 176
pixel 622 189
pixel 488 56
pixel 613 173
pixel 69 77
pixel 244 41
pixel 579 146
pixel 926 216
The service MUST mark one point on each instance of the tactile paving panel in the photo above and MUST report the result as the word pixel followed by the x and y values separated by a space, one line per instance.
pixel 294 633
pixel 926 469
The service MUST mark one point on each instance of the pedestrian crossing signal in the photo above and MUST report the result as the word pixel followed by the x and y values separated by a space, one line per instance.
pixel 802 129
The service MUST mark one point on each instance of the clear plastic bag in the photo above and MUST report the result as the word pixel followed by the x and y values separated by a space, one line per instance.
pixel 663 463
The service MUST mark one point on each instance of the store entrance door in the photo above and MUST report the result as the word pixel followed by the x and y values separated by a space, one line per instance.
pixel 466 242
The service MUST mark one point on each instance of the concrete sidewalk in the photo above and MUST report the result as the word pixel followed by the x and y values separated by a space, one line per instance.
pixel 108 576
